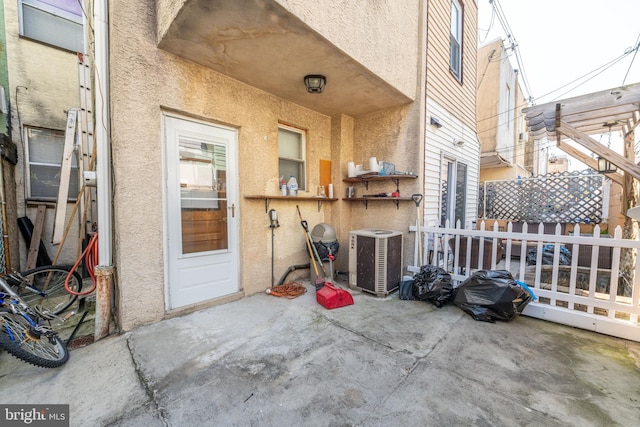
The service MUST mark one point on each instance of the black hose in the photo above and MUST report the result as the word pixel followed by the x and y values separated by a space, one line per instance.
pixel 290 269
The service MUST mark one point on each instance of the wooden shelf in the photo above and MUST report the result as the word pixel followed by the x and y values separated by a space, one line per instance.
pixel 267 199
pixel 366 200
pixel 365 179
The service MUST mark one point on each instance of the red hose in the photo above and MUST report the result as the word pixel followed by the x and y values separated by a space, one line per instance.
pixel 90 256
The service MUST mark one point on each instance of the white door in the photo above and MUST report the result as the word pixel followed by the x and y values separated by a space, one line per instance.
pixel 202 212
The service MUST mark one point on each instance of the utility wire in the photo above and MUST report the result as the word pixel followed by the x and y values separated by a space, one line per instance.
pixel 632 59
pixel 513 43
pixel 599 70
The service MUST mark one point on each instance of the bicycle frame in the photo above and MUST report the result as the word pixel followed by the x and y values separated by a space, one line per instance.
pixel 21 282
pixel 18 306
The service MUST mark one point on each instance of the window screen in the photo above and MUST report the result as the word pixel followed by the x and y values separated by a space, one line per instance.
pixel 55 22
pixel 44 156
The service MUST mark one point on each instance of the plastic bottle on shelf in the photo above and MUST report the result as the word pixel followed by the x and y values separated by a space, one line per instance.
pixel 292 185
pixel 283 187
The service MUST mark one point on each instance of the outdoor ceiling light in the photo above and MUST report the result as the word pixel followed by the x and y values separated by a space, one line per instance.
pixel 315 83
pixel 605 166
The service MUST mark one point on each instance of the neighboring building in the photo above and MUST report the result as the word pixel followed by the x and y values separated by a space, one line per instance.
pixel 507 152
pixel 8 151
pixel 42 41
pixel 558 164
pixel 209 110
pixel 451 147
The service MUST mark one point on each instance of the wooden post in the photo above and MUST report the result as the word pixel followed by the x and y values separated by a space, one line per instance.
pixel 34 245
pixel 629 200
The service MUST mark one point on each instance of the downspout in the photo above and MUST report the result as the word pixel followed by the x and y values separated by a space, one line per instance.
pixel 104 269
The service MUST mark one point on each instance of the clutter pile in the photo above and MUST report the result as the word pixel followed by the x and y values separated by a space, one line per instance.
pixel 487 295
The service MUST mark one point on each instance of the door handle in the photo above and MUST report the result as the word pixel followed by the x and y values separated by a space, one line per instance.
pixel 233 210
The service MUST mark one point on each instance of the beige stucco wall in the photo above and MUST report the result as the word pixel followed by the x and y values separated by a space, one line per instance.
pixel 381 34
pixel 43 84
pixel 145 81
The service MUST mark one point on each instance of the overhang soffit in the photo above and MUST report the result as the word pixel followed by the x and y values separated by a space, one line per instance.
pixel 265 46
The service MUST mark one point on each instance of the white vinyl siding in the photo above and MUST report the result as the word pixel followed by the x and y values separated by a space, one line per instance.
pixel 440 149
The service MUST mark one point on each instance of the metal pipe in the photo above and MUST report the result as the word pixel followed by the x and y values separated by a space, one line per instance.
pixel 103 130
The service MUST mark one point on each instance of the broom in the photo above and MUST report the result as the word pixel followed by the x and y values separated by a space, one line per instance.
pixel 305 228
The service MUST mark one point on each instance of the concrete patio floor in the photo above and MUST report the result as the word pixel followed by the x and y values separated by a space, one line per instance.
pixel 267 361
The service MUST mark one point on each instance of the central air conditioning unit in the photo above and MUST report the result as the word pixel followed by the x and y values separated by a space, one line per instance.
pixel 375 260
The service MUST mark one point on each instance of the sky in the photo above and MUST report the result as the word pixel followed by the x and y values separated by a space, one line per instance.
pixel 560 41
pixel 564 47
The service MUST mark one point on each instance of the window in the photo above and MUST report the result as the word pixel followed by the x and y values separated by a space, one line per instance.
pixel 453 197
pixel 291 154
pixel 455 43
pixel 44 160
pixel 55 22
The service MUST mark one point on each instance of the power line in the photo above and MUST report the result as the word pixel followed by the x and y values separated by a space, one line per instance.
pixel 598 70
pixel 497 8
pixel 632 59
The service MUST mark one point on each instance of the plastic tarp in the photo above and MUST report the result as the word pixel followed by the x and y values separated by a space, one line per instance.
pixel 547 255
pixel 433 284
pixel 492 294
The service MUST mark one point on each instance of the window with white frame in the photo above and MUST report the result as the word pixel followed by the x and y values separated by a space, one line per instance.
pixel 455 43
pixel 43 157
pixel 291 154
pixel 55 22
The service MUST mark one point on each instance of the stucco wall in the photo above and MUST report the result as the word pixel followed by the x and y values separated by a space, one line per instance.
pixel 145 81
pixel 381 34
pixel 44 83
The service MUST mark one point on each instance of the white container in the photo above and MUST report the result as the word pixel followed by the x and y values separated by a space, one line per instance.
pixel 292 185
pixel 351 169
pixel 283 187
pixel 373 164
pixel 331 191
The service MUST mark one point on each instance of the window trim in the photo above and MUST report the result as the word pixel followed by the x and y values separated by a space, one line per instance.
pixel 302 182
pixel 458 38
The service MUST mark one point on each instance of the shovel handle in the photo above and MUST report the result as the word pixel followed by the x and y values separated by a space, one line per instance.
pixel 417 198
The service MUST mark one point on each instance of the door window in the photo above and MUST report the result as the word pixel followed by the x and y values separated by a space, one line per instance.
pixel 203 196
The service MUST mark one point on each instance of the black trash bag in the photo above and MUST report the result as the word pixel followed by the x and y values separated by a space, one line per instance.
pixel 492 294
pixel 433 284
pixel 406 290
pixel 324 248
pixel 547 255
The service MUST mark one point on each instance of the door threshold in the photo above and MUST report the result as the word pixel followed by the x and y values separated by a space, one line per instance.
pixel 191 308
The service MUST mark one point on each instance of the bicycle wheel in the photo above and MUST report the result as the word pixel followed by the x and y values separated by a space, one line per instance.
pixel 49 279
pixel 22 341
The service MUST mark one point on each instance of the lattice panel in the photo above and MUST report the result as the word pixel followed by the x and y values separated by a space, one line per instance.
pixel 562 197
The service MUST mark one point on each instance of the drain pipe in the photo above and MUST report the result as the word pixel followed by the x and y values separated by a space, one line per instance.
pixel 104 269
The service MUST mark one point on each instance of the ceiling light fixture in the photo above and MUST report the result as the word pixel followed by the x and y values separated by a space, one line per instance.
pixel 315 83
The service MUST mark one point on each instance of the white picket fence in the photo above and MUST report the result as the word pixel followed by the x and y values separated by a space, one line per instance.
pixel 586 297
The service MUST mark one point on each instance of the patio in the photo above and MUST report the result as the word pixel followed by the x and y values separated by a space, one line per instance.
pixel 270 361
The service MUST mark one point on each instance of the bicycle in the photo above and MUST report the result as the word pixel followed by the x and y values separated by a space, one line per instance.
pixel 45 286
pixel 24 334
